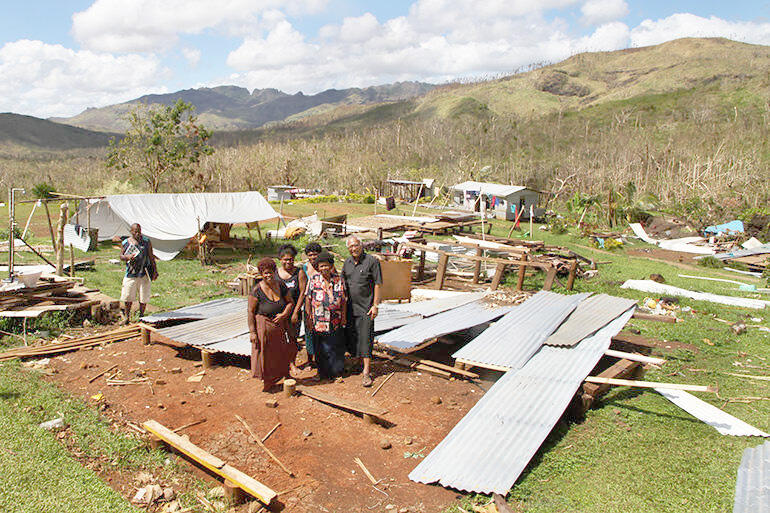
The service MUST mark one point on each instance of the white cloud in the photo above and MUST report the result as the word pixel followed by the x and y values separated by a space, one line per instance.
pixel 148 25
pixel 192 56
pixel 50 80
pixel 680 25
pixel 596 12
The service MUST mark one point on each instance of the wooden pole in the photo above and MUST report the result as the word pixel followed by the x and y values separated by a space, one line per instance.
pixel 72 261
pixel 572 272
pixel 289 387
pixel 443 260
pixel 50 225
pixel 648 384
pixel 60 243
pixel 477 265
pixel 522 272
pixel 498 277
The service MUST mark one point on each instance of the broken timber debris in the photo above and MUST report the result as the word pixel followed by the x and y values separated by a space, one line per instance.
pixel 117 335
pixel 211 462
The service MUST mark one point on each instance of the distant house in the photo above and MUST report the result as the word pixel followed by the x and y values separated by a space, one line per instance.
pixel 505 200
pixel 408 190
pixel 280 192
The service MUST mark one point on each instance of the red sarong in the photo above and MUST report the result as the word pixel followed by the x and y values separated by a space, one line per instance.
pixel 273 352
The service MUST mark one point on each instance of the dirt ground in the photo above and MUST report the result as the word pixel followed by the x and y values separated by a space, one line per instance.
pixel 316 441
pixel 676 257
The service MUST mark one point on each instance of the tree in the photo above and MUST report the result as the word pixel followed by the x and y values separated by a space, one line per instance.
pixel 163 143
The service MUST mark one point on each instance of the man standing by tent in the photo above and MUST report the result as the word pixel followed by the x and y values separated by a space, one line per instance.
pixel 136 252
pixel 363 278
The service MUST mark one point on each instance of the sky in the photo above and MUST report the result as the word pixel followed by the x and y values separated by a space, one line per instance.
pixel 59 57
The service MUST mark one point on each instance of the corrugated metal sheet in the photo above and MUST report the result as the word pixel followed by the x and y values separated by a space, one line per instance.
pixel 491 446
pixel 759 250
pixel 239 344
pixel 752 487
pixel 711 415
pixel 388 318
pixel 512 340
pixel 208 331
pixel 436 306
pixel 200 311
pixel 412 335
pixel 589 316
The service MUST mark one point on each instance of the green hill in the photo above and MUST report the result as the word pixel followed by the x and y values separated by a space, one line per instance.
pixel 33 133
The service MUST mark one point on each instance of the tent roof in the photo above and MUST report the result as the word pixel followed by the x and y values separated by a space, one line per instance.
pixel 170 220
pixel 491 189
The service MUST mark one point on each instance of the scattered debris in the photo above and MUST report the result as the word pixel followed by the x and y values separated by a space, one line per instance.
pixel 50 425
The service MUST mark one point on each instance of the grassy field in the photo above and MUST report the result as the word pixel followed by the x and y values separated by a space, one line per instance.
pixel 635 451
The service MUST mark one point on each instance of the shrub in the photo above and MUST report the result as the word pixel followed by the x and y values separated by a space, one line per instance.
pixel 710 261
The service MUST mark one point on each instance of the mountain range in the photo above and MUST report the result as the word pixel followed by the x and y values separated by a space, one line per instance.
pixel 234 108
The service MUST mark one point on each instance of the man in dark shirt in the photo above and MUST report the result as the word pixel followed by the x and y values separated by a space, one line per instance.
pixel 136 252
pixel 363 278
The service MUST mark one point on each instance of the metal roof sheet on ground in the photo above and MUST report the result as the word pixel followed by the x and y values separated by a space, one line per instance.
pixel 752 487
pixel 410 337
pixel 512 340
pixel 436 306
pixel 759 250
pixel 491 446
pixel 388 318
pixel 589 316
pixel 200 311
pixel 710 414
pixel 207 331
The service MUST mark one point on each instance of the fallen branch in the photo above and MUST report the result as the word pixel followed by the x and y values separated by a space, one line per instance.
pixel 383 382
pixel 259 442
pixel 191 424
pixel 368 474
pixel 102 374
pixel 264 438
pixel 762 378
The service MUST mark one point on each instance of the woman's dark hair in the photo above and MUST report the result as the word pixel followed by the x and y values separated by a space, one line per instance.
pixel 287 248
pixel 266 264
pixel 313 247
pixel 327 257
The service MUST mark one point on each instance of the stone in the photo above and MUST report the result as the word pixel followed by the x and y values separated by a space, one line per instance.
pixel 657 278
pixel 385 445
pixel 307 433
pixel 139 496
pixel 738 328
pixel 153 493
pixel 405 401
pixel 169 494
pixel 390 507
pixel 50 425
pixel 435 399
pixel 176 370
pixel 271 403
pixel 408 440
pixel 403 510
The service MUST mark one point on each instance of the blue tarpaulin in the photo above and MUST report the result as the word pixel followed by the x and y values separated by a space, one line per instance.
pixel 731 227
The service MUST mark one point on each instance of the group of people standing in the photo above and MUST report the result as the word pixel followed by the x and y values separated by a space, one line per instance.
pixel 338 309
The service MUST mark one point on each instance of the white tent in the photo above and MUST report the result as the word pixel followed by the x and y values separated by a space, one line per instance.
pixel 170 220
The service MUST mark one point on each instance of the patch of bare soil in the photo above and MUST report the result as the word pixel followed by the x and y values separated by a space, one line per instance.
pixel 316 441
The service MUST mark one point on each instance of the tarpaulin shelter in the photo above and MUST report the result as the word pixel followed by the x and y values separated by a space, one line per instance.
pixel 170 220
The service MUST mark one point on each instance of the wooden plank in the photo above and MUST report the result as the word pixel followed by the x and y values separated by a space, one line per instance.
pixel 211 462
pixel 522 273
pixel 341 403
pixel 449 368
pixel 483 365
pixel 649 384
pixel 652 317
pixel 635 357
pixel 498 278
pixel 477 265
pixel 441 271
pixel 572 272
pixel 473 258
pixel 183 445
pixel 550 276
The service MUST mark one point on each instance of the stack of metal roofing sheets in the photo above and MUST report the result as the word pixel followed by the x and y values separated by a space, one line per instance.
pixel 413 336
pixel 207 333
pixel 492 445
pixel 710 414
pixel 590 315
pixel 389 318
pixel 752 487
pixel 200 311
pixel 436 306
pixel 511 341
